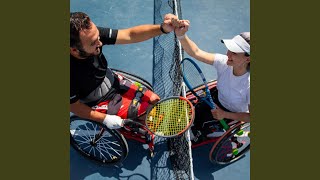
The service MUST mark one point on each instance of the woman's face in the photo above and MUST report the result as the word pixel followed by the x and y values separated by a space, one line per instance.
pixel 237 59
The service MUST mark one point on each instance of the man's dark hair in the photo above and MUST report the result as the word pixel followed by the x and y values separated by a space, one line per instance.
pixel 78 21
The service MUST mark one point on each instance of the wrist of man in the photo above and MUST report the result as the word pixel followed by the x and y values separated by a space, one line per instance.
pixel 162 30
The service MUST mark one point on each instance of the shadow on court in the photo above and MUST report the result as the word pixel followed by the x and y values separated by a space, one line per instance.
pixel 203 168
pixel 82 167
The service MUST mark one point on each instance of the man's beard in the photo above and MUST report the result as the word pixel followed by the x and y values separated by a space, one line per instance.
pixel 84 54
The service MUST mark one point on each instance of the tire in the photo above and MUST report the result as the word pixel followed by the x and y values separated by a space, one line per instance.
pixel 222 150
pixel 97 142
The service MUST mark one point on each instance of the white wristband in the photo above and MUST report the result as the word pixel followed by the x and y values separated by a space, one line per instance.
pixel 181 37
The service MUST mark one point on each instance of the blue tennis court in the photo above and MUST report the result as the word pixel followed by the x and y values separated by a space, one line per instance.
pixel 211 20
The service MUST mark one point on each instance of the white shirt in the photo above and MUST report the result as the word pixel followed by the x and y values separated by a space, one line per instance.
pixel 234 91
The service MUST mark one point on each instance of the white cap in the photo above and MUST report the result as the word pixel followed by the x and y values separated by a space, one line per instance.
pixel 237 44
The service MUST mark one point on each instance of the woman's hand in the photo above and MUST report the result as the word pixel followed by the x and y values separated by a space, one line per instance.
pixel 218 113
pixel 181 26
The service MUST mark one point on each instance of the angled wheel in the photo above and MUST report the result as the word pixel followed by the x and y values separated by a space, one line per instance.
pixel 232 145
pixel 134 78
pixel 97 142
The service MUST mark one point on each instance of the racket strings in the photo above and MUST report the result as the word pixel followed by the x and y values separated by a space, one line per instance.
pixel 170 117
pixel 192 75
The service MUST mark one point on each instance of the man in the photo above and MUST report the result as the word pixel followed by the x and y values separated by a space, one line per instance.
pixel 93 83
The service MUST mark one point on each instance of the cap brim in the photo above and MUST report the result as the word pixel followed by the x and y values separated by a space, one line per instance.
pixel 232 46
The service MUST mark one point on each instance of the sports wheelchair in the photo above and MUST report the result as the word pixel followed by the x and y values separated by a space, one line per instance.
pixel 99 143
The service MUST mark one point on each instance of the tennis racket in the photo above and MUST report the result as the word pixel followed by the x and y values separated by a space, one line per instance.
pixel 169 117
pixel 193 77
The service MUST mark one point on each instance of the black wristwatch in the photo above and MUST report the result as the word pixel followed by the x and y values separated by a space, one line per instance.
pixel 162 30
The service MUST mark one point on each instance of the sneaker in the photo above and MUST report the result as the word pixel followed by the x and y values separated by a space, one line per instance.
pixel 193 133
pixel 216 133
pixel 196 136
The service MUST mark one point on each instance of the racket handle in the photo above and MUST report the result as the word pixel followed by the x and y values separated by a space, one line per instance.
pixel 224 124
pixel 222 121
pixel 125 122
pixel 128 121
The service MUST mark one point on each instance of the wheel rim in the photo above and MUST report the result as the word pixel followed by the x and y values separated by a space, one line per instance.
pixel 233 146
pixel 97 142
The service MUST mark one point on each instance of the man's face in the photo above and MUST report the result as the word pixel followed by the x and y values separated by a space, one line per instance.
pixel 90 41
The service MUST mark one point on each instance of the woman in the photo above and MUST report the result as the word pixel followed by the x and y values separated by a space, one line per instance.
pixel 233 71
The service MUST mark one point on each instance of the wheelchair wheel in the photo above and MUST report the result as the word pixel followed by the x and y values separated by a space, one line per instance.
pixel 232 145
pixel 97 142
pixel 134 78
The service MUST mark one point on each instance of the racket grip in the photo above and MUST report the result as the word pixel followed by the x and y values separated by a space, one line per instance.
pixel 224 124
pixel 127 121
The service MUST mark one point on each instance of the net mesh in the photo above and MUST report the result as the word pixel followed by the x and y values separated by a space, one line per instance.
pixel 167 80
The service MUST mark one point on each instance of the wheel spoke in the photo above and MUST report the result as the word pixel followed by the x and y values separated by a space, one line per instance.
pixel 232 146
pixel 106 146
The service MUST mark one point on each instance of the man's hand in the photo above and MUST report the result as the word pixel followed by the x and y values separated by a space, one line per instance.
pixel 113 121
pixel 167 24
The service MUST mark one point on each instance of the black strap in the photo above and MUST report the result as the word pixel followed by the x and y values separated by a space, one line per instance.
pixel 135 103
pixel 133 109
pixel 162 30
pixel 114 105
